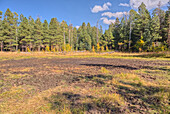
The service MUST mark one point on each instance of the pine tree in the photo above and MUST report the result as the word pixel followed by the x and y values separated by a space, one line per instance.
pixel 123 34
pixel 75 40
pixel 38 34
pixel 64 28
pixel 104 38
pixel 87 41
pixel 167 26
pixel 59 37
pixel 16 28
pixel 1 31
pixel 53 26
pixel 46 38
pixel 155 27
pixel 70 35
pixel 133 28
pixel 107 39
pixel 32 33
pixel 144 21
pixel 141 27
pixel 89 29
pixel 116 33
pixel 161 15
pixel 9 30
pixel 24 33
pixel 93 37
pixel 81 40
pixel 84 38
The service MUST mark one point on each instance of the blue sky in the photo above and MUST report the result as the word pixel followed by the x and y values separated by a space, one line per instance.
pixel 76 11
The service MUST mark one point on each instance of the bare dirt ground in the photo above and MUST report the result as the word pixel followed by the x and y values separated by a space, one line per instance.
pixel 90 85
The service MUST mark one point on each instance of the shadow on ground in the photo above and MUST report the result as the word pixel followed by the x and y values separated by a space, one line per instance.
pixel 111 66
pixel 78 104
pixel 144 98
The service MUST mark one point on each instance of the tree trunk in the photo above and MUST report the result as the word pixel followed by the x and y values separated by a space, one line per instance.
pixel 16 41
pixel 64 40
pixel 1 46
pixel 168 40
pixel 22 49
pixel 30 46
pixel 130 35
pixel 26 48
pixel 10 46
pixel 97 37
pixel 39 48
pixel 69 35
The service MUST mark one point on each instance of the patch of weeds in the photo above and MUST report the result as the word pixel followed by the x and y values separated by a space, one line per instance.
pixel 160 76
pixel 159 101
pixel 152 96
pixel 115 81
pixel 127 76
pixel 110 103
pixel 45 108
pixel 153 55
pixel 104 70
pixel 16 93
pixel 139 84
pixel 1 83
pixel 76 104
pixel 98 79
pixel 15 76
pixel 68 103
pixel 15 96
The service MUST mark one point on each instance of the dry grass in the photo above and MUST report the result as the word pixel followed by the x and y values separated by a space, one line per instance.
pixel 104 70
pixel 15 76
pixel 144 55
pixel 107 93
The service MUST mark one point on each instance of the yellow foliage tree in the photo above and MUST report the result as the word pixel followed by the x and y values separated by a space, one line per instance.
pixel 68 47
pixel 93 49
pixel 47 48
pixel 53 50
pixel 107 49
pixel 28 49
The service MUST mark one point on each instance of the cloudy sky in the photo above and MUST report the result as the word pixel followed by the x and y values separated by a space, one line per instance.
pixel 78 11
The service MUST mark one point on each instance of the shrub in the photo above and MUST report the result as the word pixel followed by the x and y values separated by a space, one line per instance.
pixel 98 47
pixel 28 49
pixel 104 70
pixel 47 48
pixel 93 49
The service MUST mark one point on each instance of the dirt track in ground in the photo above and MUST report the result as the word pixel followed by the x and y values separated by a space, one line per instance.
pixel 44 74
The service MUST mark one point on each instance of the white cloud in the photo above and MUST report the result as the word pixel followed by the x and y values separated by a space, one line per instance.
pixel 98 8
pixel 77 27
pixel 124 4
pixel 107 21
pixel 117 14
pixel 150 4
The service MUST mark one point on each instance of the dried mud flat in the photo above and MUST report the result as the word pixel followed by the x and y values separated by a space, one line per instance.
pixel 82 79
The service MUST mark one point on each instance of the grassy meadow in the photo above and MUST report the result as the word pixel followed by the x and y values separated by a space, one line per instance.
pixel 84 82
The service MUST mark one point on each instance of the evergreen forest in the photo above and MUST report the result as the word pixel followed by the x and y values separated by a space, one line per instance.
pixel 137 31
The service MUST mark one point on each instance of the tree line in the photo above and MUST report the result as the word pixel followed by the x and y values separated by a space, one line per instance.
pixel 136 31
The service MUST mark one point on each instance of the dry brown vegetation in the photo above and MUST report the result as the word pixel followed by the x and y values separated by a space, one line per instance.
pixel 84 83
